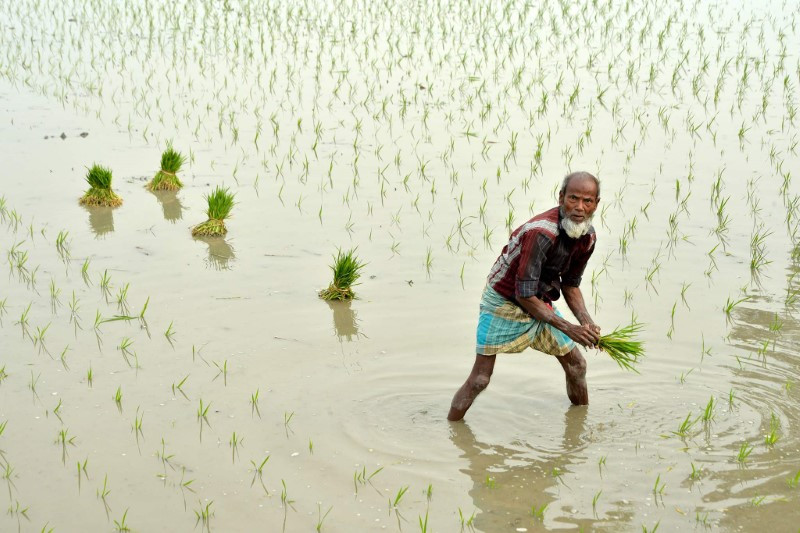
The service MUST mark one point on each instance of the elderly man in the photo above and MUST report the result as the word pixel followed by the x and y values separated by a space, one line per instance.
pixel 544 258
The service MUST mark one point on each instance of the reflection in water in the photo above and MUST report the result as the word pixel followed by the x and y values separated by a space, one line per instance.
pixel 345 321
pixel 507 482
pixel 220 253
pixel 101 220
pixel 170 204
pixel 765 373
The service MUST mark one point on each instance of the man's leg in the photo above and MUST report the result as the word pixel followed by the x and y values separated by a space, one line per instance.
pixel 575 370
pixel 477 381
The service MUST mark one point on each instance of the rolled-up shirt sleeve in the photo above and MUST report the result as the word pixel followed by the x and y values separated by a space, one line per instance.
pixel 572 277
pixel 532 255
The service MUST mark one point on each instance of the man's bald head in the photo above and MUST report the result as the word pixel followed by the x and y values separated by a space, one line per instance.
pixel 581 176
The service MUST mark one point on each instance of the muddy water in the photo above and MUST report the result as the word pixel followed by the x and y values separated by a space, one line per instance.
pixel 420 135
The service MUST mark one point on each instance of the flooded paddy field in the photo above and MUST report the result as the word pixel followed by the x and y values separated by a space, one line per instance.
pixel 152 381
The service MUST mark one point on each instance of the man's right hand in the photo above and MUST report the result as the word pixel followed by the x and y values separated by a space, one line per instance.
pixel 587 336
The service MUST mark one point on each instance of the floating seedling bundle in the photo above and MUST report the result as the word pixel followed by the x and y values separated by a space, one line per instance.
pixel 622 346
pixel 166 179
pixel 346 269
pixel 100 193
pixel 220 203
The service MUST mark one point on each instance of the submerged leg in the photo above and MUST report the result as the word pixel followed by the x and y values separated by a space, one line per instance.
pixel 574 366
pixel 477 381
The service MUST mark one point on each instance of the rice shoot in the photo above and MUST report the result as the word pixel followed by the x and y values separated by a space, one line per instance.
pixel 346 269
pixel 100 193
pixel 220 203
pixel 167 179
pixel 622 346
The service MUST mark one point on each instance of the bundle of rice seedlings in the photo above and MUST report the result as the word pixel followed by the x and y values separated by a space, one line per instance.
pixel 100 193
pixel 346 269
pixel 166 179
pixel 220 203
pixel 622 346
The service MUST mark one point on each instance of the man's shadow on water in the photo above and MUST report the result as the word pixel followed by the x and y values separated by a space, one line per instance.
pixel 513 489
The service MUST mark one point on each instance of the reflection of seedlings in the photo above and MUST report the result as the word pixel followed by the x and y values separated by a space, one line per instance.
pixel 32 384
pixel 346 269
pixel 345 320
pixel 171 205
pixel 100 193
pixel 220 252
pixel 166 179
pixel 101 220
pixel 220 203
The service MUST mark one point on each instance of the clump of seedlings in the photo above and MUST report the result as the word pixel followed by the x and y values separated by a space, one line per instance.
pixel 346 269
pixel 167 179
pixel 100 193
pixel 622 346
pixel 220 203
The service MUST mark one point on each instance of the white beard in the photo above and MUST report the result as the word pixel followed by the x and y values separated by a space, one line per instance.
pixel 576 229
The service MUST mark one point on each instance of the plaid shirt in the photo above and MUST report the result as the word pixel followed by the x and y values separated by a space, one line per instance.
pixel 539 258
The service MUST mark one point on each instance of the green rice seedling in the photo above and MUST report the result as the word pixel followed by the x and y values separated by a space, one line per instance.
pixel 696 473
pixel 731 304
pixel 89 376
pixel 393 504
pixel 538 512
pixel 179 386
pixel 120 525
pixel 254 404
pixel 772 437
pixel 166 179
pixel 423 524
pixel 346 269
pixel 100 193
pixel 708 412
pixel 744 452
pixel 653 530
pixel 622 346
pixel 285 500
pixel 235 442
pixel 220 203
pixel 82 471
pixel 118 398
pixel 136 427
pixel 64 439
pixel 686 426
pixel 170 333
pixel 222 371
pixel 466 522
pixel 794 482
pixel 258 473
pixel 311 446
pixel 321 517
pixel 204 514
pixel 85 272
pixel 594 501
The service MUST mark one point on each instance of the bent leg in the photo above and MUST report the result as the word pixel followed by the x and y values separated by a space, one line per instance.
pixel 574 366
pixel 477 381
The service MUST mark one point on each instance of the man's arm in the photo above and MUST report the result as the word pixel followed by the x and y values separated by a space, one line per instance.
pixel 586 334
pixel 574 298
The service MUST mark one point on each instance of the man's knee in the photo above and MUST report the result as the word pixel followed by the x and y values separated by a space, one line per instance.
pixel 479 382
pixel 578 364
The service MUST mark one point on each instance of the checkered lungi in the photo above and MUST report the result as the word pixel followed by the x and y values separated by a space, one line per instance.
pixel 504 327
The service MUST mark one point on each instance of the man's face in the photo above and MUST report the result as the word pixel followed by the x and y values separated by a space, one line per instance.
pixel 580 200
